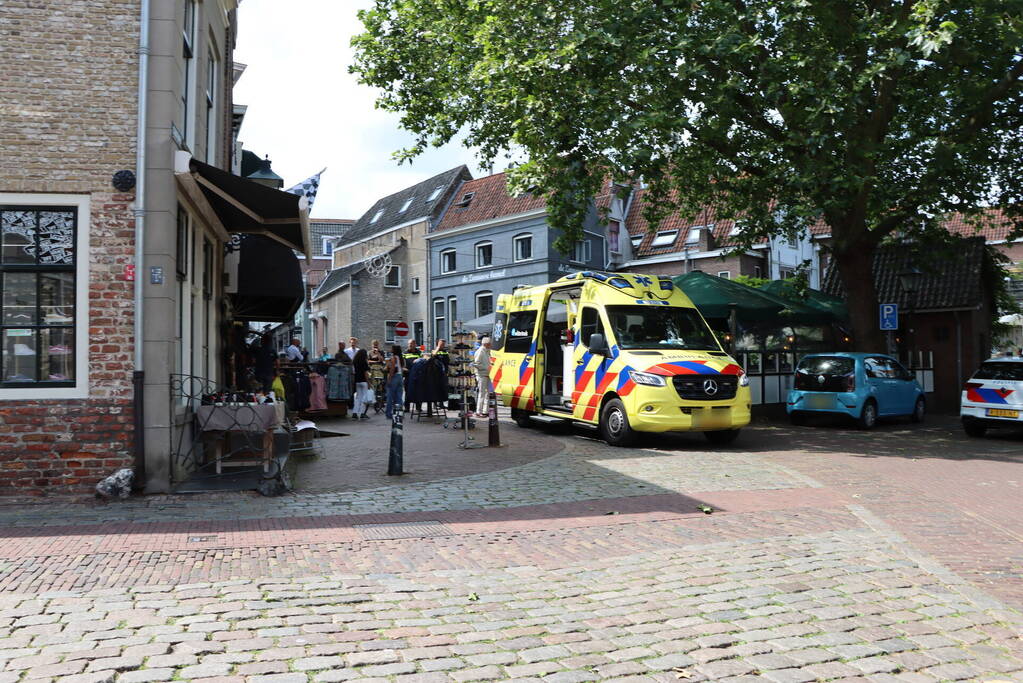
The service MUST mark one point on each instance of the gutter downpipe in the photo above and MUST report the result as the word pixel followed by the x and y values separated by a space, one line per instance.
pixel 138 374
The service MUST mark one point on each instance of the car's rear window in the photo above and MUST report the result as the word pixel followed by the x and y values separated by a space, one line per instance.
pixel 826 365
pixel 1000 370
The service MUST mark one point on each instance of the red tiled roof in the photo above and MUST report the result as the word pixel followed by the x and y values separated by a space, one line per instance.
pixel 490 200
pixel 637 224
pixel 993 227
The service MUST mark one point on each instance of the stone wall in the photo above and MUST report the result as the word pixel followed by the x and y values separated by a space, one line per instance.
pixel 69 113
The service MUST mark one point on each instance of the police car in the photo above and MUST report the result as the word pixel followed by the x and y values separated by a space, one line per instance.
pixel 993 397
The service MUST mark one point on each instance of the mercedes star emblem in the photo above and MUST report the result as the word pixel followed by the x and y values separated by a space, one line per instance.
pixel 710 387
pixel 820 379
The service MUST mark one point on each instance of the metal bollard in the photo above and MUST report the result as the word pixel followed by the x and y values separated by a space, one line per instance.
pixel 494 437
pixel 395 457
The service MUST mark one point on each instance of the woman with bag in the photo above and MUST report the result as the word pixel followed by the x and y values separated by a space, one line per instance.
pixel 363 394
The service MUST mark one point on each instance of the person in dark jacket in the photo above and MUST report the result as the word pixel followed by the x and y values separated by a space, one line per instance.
pixel 363 394
pixel 266 358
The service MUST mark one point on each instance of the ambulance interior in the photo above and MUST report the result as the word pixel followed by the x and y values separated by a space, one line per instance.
pixel 557 343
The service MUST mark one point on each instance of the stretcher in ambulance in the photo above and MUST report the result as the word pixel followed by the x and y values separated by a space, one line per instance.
pixel 625 352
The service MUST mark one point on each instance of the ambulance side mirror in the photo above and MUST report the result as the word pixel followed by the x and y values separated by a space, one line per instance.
pixel 598 344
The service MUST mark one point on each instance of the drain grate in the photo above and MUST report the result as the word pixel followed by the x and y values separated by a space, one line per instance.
pixel 202 539
pixel 403 530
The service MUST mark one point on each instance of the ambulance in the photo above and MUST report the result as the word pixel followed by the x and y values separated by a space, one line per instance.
pixel 624 352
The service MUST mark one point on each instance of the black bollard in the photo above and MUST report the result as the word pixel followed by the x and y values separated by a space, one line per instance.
pixel 395 457
pixel 494 437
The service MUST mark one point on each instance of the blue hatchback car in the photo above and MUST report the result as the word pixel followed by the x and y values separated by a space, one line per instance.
pixel 864 386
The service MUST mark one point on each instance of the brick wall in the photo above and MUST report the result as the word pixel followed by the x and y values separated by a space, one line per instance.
pixel 69 110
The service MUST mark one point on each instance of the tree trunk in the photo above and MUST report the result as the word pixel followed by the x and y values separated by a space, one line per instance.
pixel 855 267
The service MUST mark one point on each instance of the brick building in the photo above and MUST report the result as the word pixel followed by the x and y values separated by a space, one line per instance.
pixel 351 301
pixel 82 175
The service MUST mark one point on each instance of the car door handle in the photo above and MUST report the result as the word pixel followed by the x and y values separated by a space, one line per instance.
pixel 580 362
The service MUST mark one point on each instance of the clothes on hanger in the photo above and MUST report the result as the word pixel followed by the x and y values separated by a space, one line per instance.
pixel 318 393
pixel 339 382
pixel 427 382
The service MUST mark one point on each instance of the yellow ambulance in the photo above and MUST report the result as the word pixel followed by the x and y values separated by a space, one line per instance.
pixel 626 352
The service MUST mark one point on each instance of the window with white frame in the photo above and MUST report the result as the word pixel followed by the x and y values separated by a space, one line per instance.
pixel 438 318
pixel 415 285
pixel 582 252
pixel 328 246
pixel 417 332
pixel 452 317
pixel 389 336
pixel 664 238
pixel 436 193
pixel 393 277
pixel 484 254
pixel 43 294
pixel 484 303
pixel 636 241
pixel 523 247
pixel 726 274
pixel 212 104
pixel 447 261
pixel 694 235
pixel 376 216
pixel 408 203
pixel 186 132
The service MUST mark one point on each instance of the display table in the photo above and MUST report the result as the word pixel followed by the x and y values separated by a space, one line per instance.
pixel 251 422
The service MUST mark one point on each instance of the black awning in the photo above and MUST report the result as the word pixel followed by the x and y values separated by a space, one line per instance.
pixel 244 206
pixel 264 279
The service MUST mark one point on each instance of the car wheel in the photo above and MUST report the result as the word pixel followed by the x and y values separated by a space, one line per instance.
pixel 521 417
pixel 974 429
pixel 797 419
pixel 919 410
pixel 723 437
pixel 868 416
pixel 614 424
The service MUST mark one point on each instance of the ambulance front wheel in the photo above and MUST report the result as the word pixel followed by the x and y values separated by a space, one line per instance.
pixel 614 424
pixel 521 417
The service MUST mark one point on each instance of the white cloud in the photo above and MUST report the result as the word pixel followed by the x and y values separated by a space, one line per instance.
pixel 306 111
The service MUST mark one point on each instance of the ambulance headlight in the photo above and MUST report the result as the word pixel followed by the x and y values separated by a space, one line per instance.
pixel 743 379
pixel 647 379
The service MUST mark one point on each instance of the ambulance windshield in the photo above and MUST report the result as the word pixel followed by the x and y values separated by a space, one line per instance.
pixel 659 327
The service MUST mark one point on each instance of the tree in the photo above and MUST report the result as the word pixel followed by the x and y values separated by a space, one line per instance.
pixel 875 117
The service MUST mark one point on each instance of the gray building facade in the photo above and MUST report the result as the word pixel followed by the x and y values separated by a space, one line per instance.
pixel 489 243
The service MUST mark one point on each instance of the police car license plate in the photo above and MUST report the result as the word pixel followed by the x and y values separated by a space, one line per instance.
pixel 1001 412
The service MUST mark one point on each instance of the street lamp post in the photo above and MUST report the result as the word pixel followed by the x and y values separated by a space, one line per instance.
pixel 909 280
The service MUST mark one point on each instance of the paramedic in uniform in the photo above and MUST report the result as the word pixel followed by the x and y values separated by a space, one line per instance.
pixel 481 366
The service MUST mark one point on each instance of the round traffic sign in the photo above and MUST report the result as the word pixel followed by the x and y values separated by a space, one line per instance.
pixel 401 330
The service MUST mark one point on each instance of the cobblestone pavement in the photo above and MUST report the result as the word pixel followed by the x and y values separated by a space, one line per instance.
pixel 828 555
pixel 585 470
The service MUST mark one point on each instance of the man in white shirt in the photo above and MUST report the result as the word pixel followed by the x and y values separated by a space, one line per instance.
pixel 294 352
pixel 353 347
pixel 481 366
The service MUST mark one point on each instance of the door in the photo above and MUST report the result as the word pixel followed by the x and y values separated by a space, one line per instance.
pixel 880 385
pixel 514 375
pixel 905 387
pixel 590 368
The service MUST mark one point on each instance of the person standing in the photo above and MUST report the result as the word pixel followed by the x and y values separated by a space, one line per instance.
pixel 266 358
pixel 294 352
pixel 410 356
pixel 375 354
pixel 481 366
pixel 353 348
pixel 341 355
pixel 441 352
pixel 395 370
pixel 363 394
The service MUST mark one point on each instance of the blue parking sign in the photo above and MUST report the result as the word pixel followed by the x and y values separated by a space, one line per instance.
pixel 889 316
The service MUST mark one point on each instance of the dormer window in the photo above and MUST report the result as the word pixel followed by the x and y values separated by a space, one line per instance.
pixel 694 235
pixel 466 199
pixel 408 203
pixel 436 193
pixel 664 238
pixel 376 216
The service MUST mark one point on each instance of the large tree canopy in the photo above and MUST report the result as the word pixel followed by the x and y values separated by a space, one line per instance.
pixel 874 116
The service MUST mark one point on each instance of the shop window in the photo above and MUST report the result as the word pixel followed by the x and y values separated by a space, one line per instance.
pixel 42 345
pixel 523 247
pixel 393 277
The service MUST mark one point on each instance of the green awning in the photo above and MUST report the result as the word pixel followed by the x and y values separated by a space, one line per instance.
pixel 829 305
pixel 715 297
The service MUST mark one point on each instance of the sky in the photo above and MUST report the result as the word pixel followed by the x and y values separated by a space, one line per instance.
pixel 307 112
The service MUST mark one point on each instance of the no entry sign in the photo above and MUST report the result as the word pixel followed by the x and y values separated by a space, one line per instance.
pixel 401 330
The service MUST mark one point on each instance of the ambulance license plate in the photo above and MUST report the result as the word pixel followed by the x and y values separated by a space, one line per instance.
pixel 1001 412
